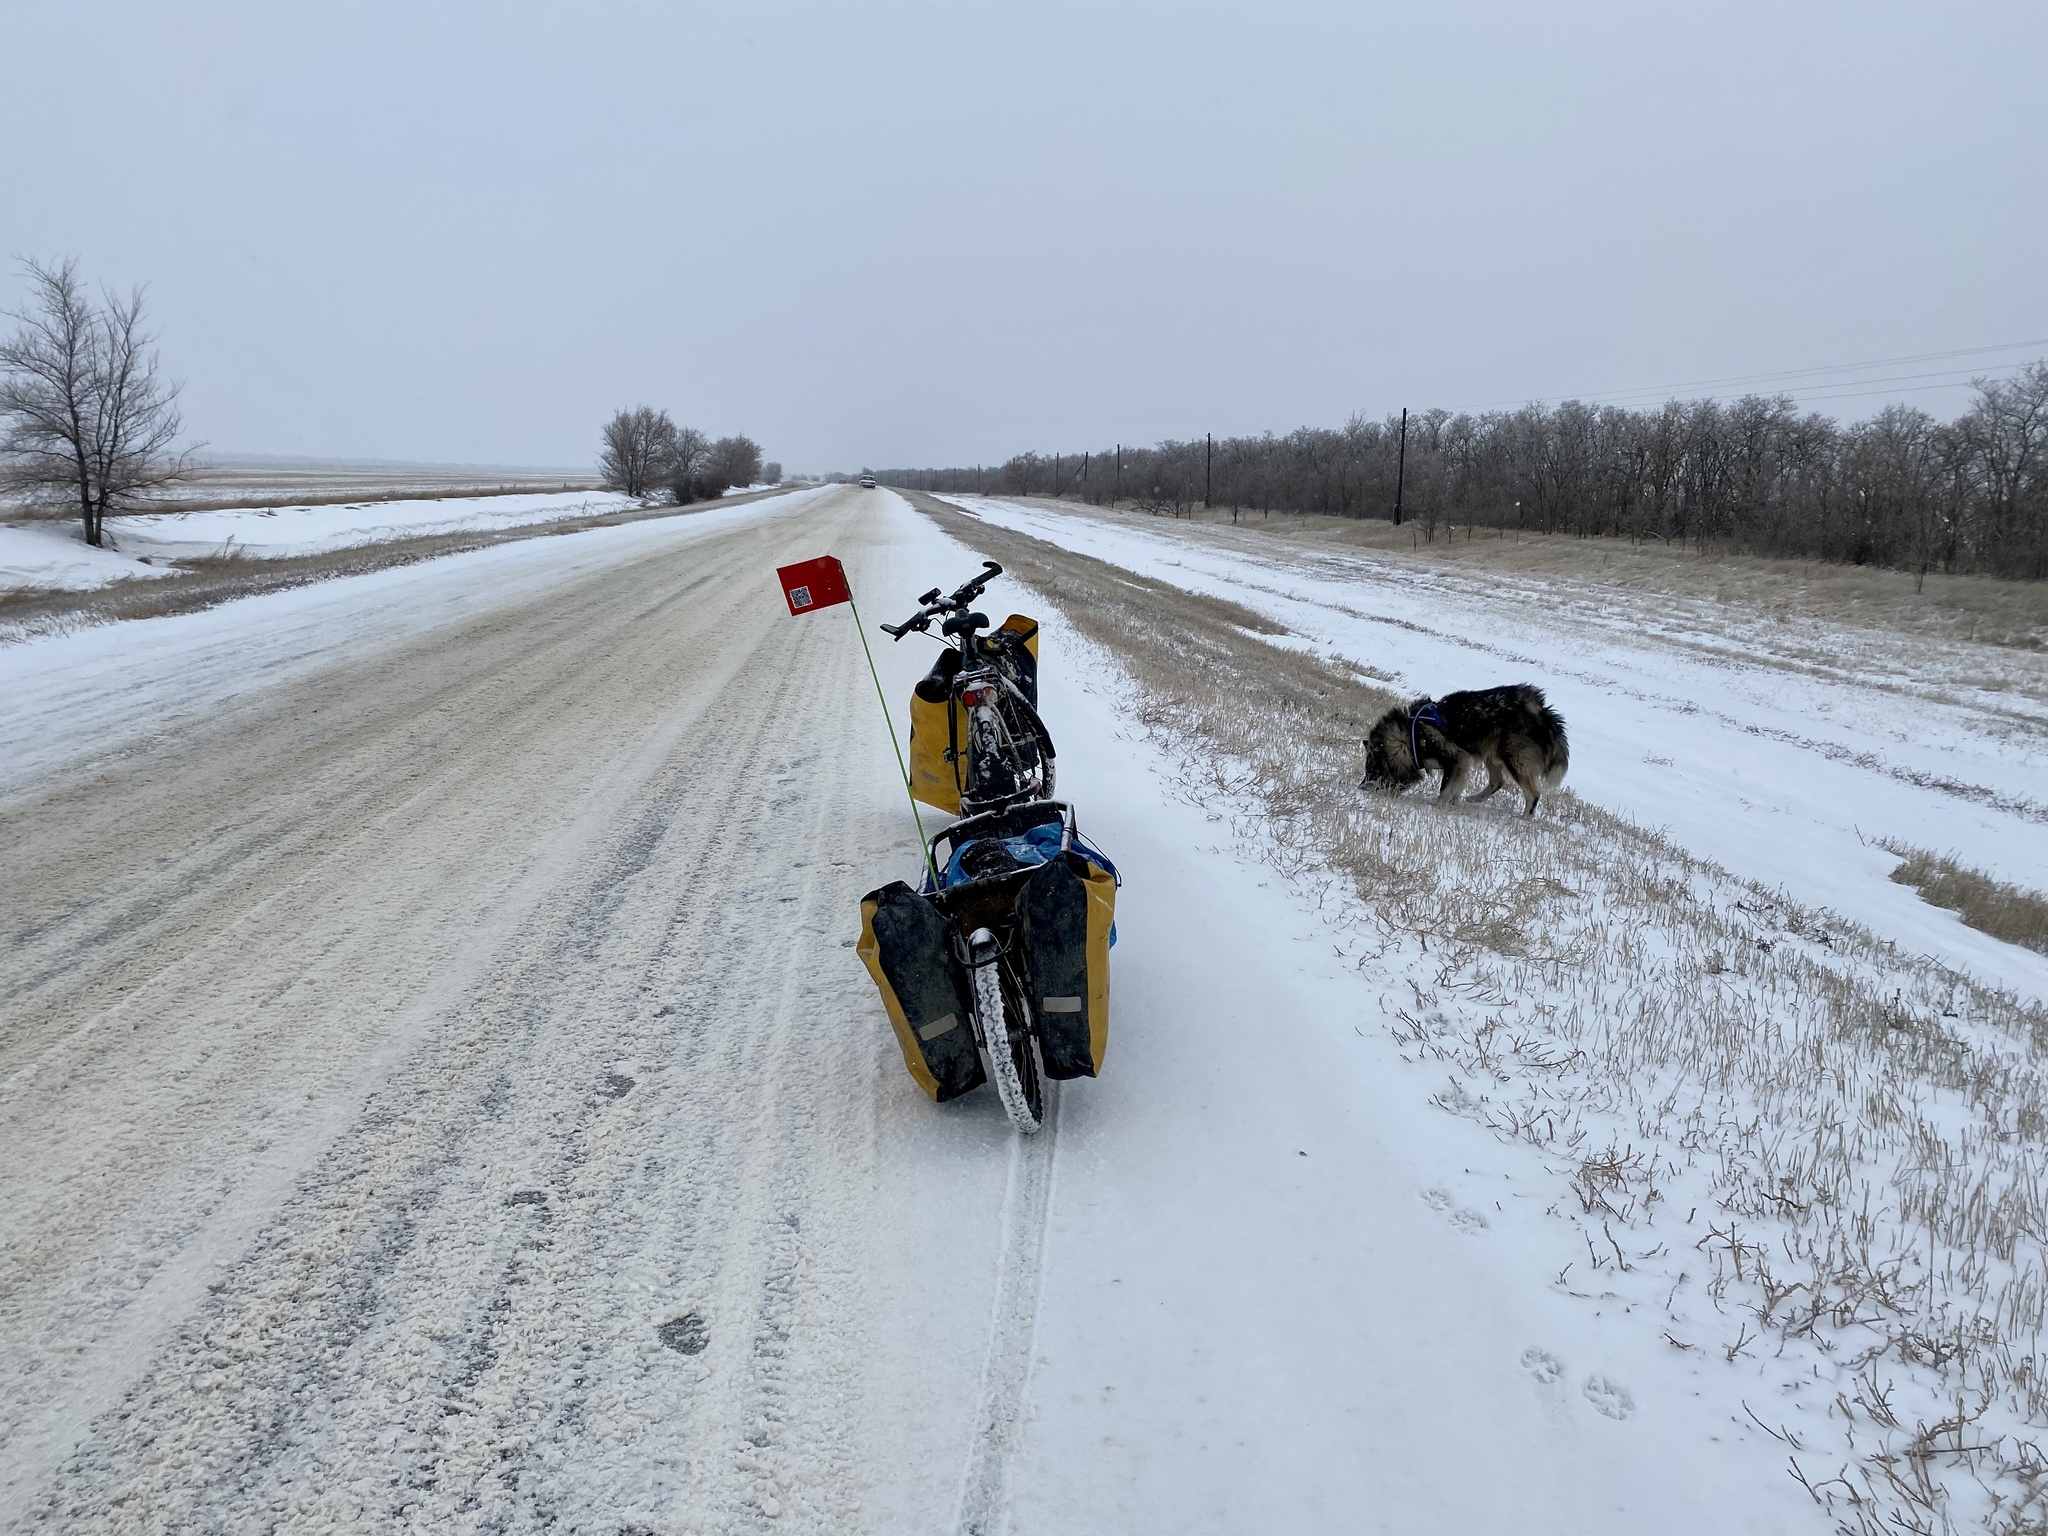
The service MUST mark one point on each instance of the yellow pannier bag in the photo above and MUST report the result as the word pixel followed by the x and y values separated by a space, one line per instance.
pixel 934 744
pixel 937 733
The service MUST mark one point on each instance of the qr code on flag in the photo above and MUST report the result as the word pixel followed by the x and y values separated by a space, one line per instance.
pixel 799 597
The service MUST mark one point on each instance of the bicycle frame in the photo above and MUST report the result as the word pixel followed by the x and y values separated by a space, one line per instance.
pixel 1009 751
pixel 1003 763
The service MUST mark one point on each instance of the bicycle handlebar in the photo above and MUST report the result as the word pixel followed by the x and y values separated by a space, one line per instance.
pixel 967 592
pixel 934 605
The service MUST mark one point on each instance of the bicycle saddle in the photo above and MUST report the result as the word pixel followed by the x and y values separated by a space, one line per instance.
pixel 964 623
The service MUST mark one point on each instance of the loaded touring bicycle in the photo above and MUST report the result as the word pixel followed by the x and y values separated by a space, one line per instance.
pixel 997 966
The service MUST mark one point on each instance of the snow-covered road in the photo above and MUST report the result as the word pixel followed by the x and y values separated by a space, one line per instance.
pixel 441 1095
pixel 1783 753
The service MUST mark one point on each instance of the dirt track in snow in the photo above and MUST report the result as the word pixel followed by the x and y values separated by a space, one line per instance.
pixel 427 1097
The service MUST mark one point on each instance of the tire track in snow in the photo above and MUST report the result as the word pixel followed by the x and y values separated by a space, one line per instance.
pixel 1013 1326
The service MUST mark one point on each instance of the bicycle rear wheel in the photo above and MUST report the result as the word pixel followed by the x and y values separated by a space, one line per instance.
pixel 1004 1022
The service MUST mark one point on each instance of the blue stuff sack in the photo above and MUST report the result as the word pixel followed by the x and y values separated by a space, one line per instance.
pixel 1036 845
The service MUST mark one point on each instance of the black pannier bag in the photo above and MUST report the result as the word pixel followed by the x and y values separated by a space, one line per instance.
pixel 1064 915
pixel 907 947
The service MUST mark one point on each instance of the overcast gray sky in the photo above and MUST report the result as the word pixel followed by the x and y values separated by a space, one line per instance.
pixel 913 234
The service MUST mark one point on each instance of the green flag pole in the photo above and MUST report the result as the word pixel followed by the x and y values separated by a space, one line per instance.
pixel 890 720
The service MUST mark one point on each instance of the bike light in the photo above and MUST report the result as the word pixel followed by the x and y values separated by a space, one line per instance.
pixel 974 698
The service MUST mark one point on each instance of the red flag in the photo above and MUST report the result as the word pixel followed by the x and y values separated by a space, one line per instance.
pixel 812 584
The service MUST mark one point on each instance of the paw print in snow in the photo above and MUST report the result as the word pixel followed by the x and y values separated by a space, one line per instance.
pixel 1609 1396
pixel 1441 1201
pixel 1542 1364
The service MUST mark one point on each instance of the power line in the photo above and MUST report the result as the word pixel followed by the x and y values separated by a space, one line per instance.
pixel 1665 391
pixel 1953 375
pixel 1856 394
pixel 1881 362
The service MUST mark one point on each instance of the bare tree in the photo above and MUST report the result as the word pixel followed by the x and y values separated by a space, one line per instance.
pixel 734 461
pixel 639 447
pixel 688 458
pixel 87 415
pixel 2007 432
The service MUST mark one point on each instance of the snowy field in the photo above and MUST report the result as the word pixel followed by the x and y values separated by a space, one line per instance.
pixel 442 1096
pixel 1783 756
pixel 52 553
pixel 263 481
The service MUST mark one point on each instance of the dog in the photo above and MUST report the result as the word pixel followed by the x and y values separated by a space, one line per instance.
pixel 1512 730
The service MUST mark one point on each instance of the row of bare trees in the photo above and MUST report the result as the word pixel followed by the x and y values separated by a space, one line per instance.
pixel 86 420
pixel 645 453
pixel 1753 475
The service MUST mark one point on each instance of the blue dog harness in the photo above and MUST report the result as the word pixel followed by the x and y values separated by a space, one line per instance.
pixel 1430 715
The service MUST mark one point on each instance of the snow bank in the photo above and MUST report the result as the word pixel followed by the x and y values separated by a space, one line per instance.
pixel 271 531
pixel 54 554
pixel 27 558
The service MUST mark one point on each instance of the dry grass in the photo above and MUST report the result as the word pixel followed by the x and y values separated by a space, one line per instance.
pixel 2008 912
pixel 1823 1159
pixel 1970 608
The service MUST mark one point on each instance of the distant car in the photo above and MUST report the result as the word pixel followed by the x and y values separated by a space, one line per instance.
pixel 867 482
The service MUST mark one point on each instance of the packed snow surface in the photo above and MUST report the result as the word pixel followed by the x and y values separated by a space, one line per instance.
pixel 442 1095
pixel 1778 769
pixel 53 553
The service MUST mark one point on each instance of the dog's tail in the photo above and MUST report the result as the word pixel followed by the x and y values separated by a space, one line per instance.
pixel 1546 731
pixel 1557 751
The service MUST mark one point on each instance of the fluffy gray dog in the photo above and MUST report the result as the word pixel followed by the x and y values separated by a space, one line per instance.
pixel 1511 730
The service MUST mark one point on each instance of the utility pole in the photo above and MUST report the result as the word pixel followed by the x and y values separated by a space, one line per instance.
pixel 1055 477
pixel 1401 468
pixel 1119 492
pixel 1084 476
pixel 1208 466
